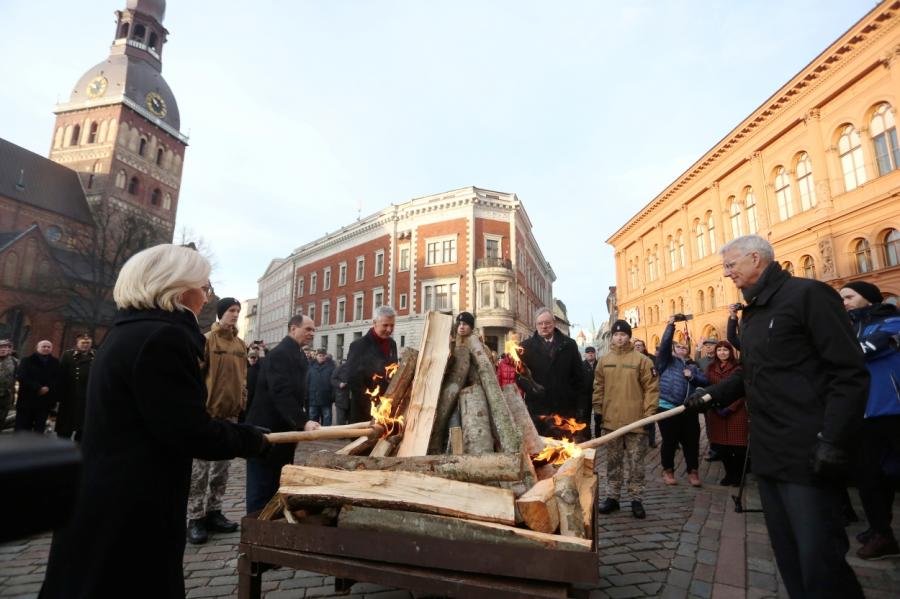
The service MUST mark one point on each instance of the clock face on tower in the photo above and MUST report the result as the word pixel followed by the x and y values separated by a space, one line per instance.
pixel 156 104
pixel 97 87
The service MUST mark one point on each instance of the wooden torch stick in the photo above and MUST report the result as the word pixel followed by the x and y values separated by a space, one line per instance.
pixel 636 425
pixel 327 432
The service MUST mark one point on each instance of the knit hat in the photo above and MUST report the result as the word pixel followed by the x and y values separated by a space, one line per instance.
pixel 869 291
pixel 467 318
pixel 590 350
pixel 620 326
pixel 224 304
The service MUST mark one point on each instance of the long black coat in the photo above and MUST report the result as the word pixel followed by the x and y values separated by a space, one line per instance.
pixel 34 372
pixel 558 368
pixel 280 401
pixel 803 373
pixel 75 368
pixel 341 396
pixel 319 384
pixel 146 420
pixel 364 360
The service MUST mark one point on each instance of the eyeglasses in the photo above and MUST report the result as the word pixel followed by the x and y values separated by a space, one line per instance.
pixel 728 266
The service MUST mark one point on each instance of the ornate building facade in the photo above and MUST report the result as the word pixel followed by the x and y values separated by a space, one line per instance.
pixel 814 170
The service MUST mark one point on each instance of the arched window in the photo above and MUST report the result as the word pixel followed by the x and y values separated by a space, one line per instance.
pixel 139 32
pixel 673 254
pixel 10 269
pixel 167 202
pixel 700 234
pixel 155 197
pixel 90 181
pixel 809 267
pixel 656 262
pixel 788 266
pixel 862 254
pixel 134 185
pixel 734 213
pixel 711 293
pixel 892 247
pixel 783 194
pixel 92 133
pixel 120 179
pixel 711 231
pixel 805 182
pixel 28 260
pixel 884 136
pixel 672 307
pixel 123 30
pixel 159 156
pixel 655 342
pixel 153 39
pixel 700 303
pixel 682 259
pixel 750 206
pixel 851 155
pixel 681 304
pixel 76 135
pixel 142 148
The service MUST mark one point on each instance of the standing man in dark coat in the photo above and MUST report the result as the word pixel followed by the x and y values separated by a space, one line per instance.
pixel 318 381
pixel 367 357
pixel 38 377
pixel 585 407
pixel 806 385
pixel 341 395
pixel 8 366
pixel 555 364
pixel 279 406
pixel 75 367
pixel 252 378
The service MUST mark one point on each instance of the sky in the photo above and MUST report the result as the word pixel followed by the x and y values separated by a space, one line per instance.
pixel 303 114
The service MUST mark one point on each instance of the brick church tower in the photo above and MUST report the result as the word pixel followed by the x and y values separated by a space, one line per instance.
pixel 119 130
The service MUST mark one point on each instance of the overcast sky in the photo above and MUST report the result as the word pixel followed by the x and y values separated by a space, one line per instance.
pixel 301 113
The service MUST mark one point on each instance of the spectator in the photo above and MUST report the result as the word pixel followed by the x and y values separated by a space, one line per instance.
pixel 506 372
pixel 367 357
pixel 677 380
pixel 707 353
pixel 146 419
pixel 641 347
pixel 75 367
pixel 253 359
pixel 8 365
pixel 589 365
pixel 318 382
pixel 727 427
pixel 38 377
pixel 879 458
pixel 341 394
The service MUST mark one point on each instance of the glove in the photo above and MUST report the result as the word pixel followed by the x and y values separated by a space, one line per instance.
pixel 695 403
pixel 264 446
pixel 830 461
pixel 598 424
pixel 529 389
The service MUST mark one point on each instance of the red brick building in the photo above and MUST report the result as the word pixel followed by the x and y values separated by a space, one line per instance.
pixel 468 249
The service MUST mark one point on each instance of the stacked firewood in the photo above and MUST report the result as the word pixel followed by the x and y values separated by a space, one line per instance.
pixel 448 454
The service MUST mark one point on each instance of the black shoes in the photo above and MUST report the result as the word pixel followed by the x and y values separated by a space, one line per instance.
pixel 637 510
pixel 608 506
pixel 196 534
pixel 217 522
pixel 879 546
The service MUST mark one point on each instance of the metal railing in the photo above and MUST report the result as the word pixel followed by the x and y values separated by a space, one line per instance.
pixel 494 263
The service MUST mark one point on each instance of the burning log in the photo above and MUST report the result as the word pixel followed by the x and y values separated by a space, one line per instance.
pixel 538 507
pixel 302 485
pixel 515 351
pixel 360 446
pixel 385 447
pixel 442 527
pixel 476 421
pixel 532 441
pixel 400 384
pixel 505 430
pixel 490 467
pixel 568 501
pixel 449 399
pixel 326 432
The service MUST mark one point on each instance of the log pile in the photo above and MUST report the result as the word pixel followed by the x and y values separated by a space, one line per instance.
pixel 455 459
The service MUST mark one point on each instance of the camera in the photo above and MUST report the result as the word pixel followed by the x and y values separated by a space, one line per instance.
pixel 683 317
pixel 737 307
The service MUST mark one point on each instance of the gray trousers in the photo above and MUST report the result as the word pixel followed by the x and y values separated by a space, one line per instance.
pixel 208 482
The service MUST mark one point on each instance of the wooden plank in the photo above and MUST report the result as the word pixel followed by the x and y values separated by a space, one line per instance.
pixel 508 435
pixel 587 491
pixel 490 467
pixel 568 503
pixel 398 490
pixel 538 507
pixel 426 387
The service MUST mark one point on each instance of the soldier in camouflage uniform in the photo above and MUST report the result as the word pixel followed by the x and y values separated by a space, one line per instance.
pixel 8 364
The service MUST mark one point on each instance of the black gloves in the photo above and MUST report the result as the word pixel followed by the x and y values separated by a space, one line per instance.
pixel 830 461
pixel 264 446
pixel 696 402
pixel 598 424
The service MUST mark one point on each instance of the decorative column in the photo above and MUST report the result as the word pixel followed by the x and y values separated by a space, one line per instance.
pixel 816 148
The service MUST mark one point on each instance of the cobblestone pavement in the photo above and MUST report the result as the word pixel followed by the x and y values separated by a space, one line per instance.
pixel 692 544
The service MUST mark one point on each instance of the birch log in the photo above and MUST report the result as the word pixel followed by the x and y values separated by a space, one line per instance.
pixel 533 442
pixel 454 380
pixel 487 468
pixel 538 507
pixel 568 500
pixel 505 429
pixel 476 421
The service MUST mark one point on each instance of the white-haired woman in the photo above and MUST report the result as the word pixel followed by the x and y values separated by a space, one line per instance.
pixel 146 420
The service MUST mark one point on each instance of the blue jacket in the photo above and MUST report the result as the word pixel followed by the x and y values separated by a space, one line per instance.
pixel 318 384
pixel 874 326
pixel 674 388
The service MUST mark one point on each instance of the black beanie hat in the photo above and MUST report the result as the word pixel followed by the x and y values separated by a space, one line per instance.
pixel 869 291
pixel 467 318
pixel 224 304
pixel 620 326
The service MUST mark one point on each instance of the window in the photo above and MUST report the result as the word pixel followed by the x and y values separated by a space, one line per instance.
pixel 682 261
pixel 360 268
pixel 155 197
pixel 139 32
pixel 491 248
pixel 379 263
pixel 700 307
pixel 153 39
pixel 485 293
pixel 851 156
pixel 808 266
pixel 711 294
pixel 92 133
pixel 884 136
pixel 311 311
pixel 404 258
pixel 862 254
pixel 159 156
pixel 326 314
pixel 783 194
pixel 377 300
pixel 341 315
pixel 142 148
pixel 750 206
pixel 734 212
pixel 711 230
pixel 440 251
pixel 700 233
pixel 76 135
pixel 326 278
pixel 500 295
pixel 892 248
pixel 633 273
pixel 300 287
pixel 788 266
pixel 805 182
pixel 440 296
pixel 342 274
pixel 339 350
pixel 134 186
pixel 120 179
pixel 313 282
pixel 358 307
pixel 403 301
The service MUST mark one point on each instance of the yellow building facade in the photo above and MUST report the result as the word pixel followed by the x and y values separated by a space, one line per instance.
pixel 814 170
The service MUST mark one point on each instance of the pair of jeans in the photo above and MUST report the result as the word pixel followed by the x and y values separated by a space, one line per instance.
pixel 263 477
pixel 683 430
pixel 320 414
pixel 880 445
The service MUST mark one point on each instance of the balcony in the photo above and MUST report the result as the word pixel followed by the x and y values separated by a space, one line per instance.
pixel 494 263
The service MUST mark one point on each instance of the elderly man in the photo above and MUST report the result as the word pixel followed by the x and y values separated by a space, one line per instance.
pixel 806 385
pixel 75 367
pixel 38 378
pixel 555 364
pixel 8 365
pixel 368 357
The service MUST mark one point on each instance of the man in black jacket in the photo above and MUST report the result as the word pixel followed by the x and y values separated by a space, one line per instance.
pixel 279 405
pixel 38 377
pixel 75 367
pixel 341 394
pixel 367 357
pixel 806 386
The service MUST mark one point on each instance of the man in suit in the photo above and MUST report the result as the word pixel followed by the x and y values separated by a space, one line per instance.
pixel 367 357
pixel 279 406
pixel 38 377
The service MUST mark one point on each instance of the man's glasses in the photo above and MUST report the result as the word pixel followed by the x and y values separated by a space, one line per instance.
pixel 728 266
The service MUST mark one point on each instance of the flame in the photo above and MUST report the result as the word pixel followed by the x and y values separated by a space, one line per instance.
pixel 381 406
pixel 557 451
pixel 570 425
pixel 514 351
pixel 390 369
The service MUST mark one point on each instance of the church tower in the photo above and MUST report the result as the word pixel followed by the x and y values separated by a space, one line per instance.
pixel 120 127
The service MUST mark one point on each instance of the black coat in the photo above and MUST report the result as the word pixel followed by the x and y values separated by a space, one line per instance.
pixel 558 368
pixel 252 379
pixel 341 396
pixel 364 360
pixel 75 367
pixel 585 406
pixel 803 373
pixel 146 420
pixel 34 372
pixel 280 401
pixel 318 381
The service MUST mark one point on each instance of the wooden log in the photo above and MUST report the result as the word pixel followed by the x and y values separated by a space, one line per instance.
pixel 590 457
pixel 399 490
pixel 476 421
pixel 490 467
pixel 568 502
pixel 532 441
pixel 546 471
pixel 454 380
pixel 587 491
pixel 529 475
pixel 359 446
pixel 453 529
pixel 273 509
pixel 400 385
pixel 426 386
pixel 538 507
pixel 505 430
pixel 326 432
pixel 472 376
pixel 457 447
pixel 384 447
pixel 289 516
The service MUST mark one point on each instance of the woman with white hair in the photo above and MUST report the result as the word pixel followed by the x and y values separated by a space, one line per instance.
pixel 146 420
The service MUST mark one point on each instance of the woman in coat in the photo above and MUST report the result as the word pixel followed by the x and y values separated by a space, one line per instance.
pixel 728 426
pixel 146 420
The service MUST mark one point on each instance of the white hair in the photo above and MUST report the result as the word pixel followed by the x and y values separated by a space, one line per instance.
pixel 750 243
pixel 157 277
pixel 541 310
pixel 385 311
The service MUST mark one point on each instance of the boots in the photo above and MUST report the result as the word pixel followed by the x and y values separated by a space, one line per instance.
pixel 196 533
pixel 879 546
pixel 217 522
pixel 669 477
pixel 694 478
